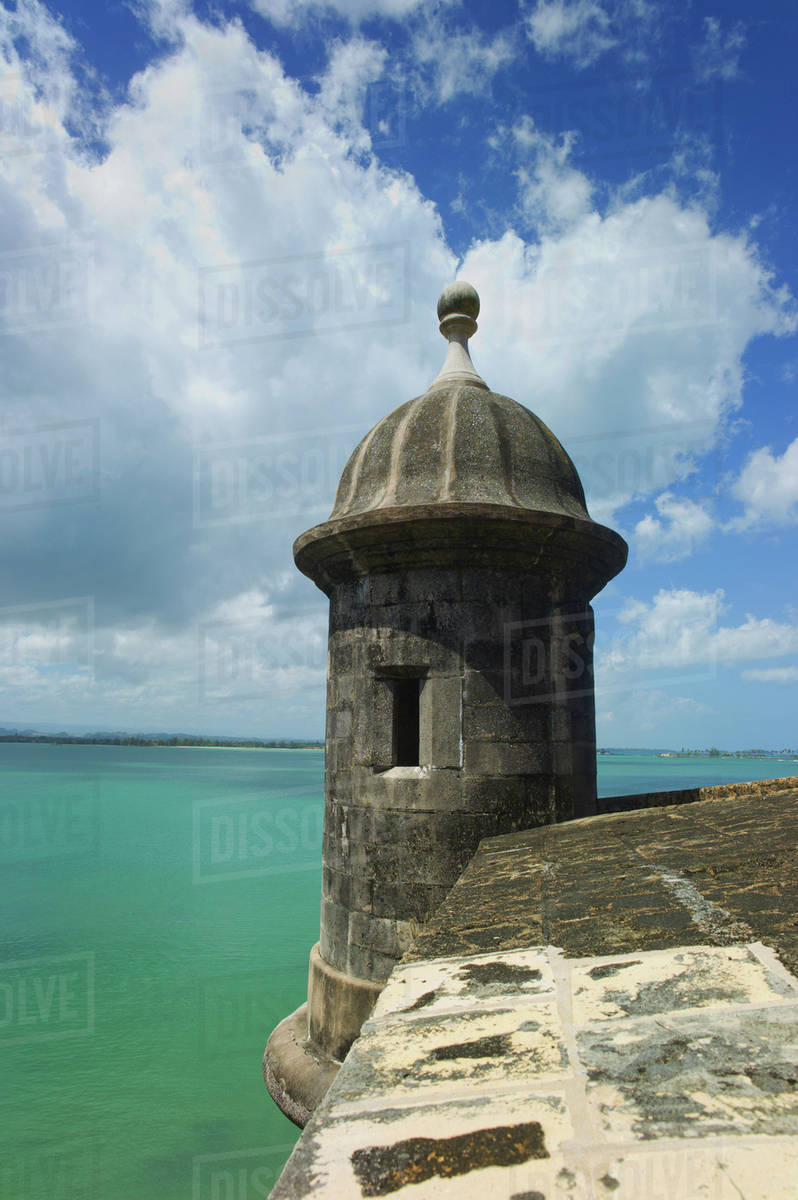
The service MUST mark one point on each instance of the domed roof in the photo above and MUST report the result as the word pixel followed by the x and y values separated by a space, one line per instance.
pixel 460 443
pixel 461 478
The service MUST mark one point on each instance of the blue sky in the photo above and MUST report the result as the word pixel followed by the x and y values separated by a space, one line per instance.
pixel 224 232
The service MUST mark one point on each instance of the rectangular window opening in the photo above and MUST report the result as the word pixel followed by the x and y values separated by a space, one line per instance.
pixel 406 722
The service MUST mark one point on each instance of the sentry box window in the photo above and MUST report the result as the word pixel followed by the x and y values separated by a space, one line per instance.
pixel 416 720
pixel 406 722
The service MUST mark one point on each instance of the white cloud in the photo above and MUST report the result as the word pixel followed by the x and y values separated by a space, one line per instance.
pixel 681 628
pixel 624 330
pixel 250 661
pixel 39 644
pixel 554 194
pixel 318 270
pixel 780 675
pixel 50 49
pixel 768 487
pixel 218 162
pixel 459 62
pixel 352 65
pixel 680 526
pixel 296 12
pixel 584 30
pixel 717 56
pixel 576 29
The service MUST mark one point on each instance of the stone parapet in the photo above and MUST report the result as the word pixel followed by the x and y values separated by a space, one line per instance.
pixel 604 1009
pixel 524 1074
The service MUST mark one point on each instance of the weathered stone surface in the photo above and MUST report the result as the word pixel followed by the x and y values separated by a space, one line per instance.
pixel 502 758
pixel 486 536
pixel 719 870
pixel 371 827
pixel 524 1074
pixel 684 1076
pixel 460 444
pixel 384 1169
pixel 441 721
pixel 497 723
pixel 335 1001
pixel 384 934
pixel 433 1054
pixel 296 1071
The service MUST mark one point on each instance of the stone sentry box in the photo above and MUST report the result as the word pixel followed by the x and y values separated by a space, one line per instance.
pixel 460 561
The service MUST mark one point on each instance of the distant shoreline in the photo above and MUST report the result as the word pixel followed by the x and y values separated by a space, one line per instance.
pixel 189 743
pixel 763 755
pixel 160 743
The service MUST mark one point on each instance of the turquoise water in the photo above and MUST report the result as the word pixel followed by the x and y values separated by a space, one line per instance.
pixel 623 775
pixel 158 908
pixel 160 905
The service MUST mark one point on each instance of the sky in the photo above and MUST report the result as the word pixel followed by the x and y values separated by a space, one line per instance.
pixel 225 229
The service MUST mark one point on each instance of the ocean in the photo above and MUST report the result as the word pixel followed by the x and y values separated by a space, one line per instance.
pixel 158 909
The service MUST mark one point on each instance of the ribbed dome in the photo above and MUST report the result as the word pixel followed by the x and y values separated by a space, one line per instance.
pixel 460 443
pixel 461 477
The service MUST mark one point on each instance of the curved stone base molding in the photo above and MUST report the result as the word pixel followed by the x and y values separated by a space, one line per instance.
pixel 306 1049
pixel 296 1072
pixel 338 1005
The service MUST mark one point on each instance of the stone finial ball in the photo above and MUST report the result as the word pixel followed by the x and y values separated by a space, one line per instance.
pixel 458 297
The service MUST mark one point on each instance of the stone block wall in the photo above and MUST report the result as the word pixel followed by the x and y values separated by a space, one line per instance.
pixel 506 741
